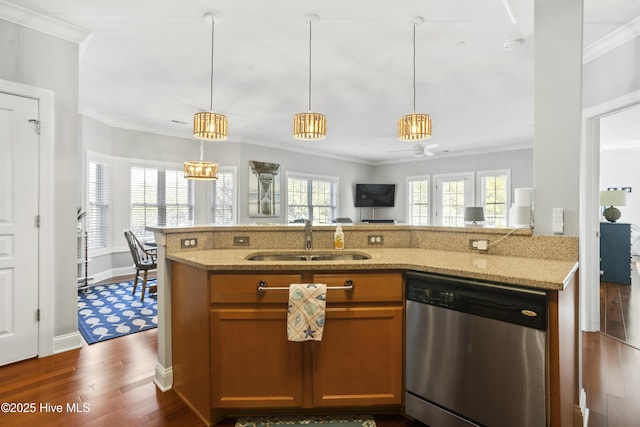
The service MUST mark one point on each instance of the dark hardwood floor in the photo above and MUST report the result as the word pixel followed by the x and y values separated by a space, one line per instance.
pixel 620 310
pixel 611 359
pixel 114 379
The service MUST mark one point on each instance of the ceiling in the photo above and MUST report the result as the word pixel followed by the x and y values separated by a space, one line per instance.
pixel 146 66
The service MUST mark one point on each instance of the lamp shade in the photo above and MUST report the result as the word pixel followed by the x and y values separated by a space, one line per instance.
pixel 613 198
pixel 474 214
pixel 210 125
pixel 200 170
pixel 309 126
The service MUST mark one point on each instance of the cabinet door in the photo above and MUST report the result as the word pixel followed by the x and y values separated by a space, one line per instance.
pixel 253 365
pixel 359 360
pixel 615 252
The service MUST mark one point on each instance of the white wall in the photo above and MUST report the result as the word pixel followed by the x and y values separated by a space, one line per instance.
pixel 33 58
pixel 619 168
pixel 520 162
pixel 557 112
pixel 612 75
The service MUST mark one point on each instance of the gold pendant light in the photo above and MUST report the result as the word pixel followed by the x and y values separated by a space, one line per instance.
pixel 207 124
pixel 414 126
pixel 310 126
pixel 201 169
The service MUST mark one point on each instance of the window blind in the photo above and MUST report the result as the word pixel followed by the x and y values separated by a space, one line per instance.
pixel 222 197
pixel 159 197
pixel 97 218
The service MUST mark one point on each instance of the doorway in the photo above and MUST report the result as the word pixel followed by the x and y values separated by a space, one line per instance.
pixel 590 207
pixel 43 263
pixel 19 221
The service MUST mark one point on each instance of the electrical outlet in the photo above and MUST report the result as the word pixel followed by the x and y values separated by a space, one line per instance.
pixel 189 243
pixel 375 240
pixel 240 240
pixel 481 245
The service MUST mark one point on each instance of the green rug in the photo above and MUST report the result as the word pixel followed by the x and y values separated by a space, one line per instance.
pixel 302 421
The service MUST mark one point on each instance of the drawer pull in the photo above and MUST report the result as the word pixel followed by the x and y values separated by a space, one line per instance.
pixel 264 286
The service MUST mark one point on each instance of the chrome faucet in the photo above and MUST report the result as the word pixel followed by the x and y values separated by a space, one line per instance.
pixel 308 234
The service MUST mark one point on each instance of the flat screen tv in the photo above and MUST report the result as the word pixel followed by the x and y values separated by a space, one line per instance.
pixel 375 195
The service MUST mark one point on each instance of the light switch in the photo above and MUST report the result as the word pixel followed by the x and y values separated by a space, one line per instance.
pixel 557 224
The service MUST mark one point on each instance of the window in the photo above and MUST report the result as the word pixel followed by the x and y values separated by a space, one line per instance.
pixel 454 192
pixel 495 193
pixel 312 198
pixel 159 197
pixel 418 197
pixel 222 199
pixel 98 198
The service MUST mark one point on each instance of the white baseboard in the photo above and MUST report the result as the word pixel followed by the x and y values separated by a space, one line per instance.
pixel 66 342
pixel 114 272
pixel 163 378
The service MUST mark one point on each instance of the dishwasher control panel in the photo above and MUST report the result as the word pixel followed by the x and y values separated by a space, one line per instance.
pixel 524 307
pixel 431 296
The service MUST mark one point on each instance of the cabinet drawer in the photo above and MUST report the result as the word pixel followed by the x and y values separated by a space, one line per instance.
pixel 243 288
pixel 367 287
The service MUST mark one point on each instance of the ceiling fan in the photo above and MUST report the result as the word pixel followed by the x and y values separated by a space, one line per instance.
pixel 420 149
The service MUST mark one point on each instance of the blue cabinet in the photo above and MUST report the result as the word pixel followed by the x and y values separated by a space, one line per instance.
pixel 615 252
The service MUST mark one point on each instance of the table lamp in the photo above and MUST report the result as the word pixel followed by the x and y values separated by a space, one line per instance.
pixel 612 198
pixel 474 214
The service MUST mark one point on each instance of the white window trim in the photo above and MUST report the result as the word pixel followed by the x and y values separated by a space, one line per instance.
pixel 495 172
pixel 410 179
pixel 234 172
pixel 93 156
pixel 437 198
pixel 285 191
pixel 160 165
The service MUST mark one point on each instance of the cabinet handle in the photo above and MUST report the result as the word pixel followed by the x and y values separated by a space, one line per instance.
pixel 263 286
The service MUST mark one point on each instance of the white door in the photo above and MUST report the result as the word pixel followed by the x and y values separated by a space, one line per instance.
pixel 453 193
pixel 18 228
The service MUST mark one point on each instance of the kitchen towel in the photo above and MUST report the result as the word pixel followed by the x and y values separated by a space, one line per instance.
pixel 305 318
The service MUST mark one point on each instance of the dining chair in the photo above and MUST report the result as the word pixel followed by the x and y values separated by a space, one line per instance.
pixel 144 259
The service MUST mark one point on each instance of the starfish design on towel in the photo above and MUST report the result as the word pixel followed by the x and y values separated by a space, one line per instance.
pixel 308 333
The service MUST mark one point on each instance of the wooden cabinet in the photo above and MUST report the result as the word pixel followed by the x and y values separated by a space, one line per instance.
pixel 615 252
pixel 359 360
pixel 252 365
pixel 357 363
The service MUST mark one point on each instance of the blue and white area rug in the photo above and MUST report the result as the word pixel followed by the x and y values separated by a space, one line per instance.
pixel 111 311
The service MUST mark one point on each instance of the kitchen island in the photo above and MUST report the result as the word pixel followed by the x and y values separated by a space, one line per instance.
pixel 230 353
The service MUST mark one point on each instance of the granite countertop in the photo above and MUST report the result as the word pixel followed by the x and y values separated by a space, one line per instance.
pixel 529 272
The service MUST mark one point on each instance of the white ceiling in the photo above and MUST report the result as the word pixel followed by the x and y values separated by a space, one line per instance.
pixel 146 66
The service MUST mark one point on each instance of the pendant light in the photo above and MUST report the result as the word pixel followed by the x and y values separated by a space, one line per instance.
pixel 200 169
pixel 310 126
pixel 207 124
pixel 414 126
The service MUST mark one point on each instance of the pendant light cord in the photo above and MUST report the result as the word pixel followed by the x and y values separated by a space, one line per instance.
pixel 201 150
pixel 309 65
pixel 211 75
pixel 414 68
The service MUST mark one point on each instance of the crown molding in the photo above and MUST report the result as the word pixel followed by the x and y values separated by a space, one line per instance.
pixel 611 41
pixel 39 22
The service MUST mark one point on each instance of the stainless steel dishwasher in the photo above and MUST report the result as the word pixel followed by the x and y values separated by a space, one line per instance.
pixel 475 353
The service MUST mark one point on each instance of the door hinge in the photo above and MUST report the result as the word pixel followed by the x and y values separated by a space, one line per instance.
pixel 36 124
pixel 37 315
pixel 37 221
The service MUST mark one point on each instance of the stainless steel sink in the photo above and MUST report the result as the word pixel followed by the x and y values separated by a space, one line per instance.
pixel 339 257
pixel 308 257
pixel 277 257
